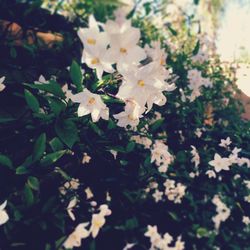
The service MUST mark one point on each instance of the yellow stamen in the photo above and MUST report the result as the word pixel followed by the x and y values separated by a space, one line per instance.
pixel 123 50
pixel 141 83
pixel 95 61
pixel 162 61
pixel 91 100
pixel 130 117
pixel 91 41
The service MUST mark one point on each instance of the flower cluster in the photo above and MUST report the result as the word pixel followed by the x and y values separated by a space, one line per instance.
pixel 223 212
pixel 161 156
pixel 196 82
pixel 159 242
pixel 81 232
pixel 142 84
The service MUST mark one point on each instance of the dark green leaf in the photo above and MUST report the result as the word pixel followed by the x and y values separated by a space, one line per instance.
pixel 39 147
pixel 66 130
pixel 196 48
pixel 51 87
pixel 33 182
pixel 31 101
pixel 56 144
pixel 157 124
pixel 52 158
pixel 76 75
pixel 28 195
pixel 5 161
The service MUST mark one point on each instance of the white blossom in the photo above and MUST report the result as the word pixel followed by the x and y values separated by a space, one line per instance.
pixel 72 204
pixel 4 217
pixel 86 158
pixel 2 86
pixel 91 104
pixel 223 212
pixel 219 163
pixel 225 143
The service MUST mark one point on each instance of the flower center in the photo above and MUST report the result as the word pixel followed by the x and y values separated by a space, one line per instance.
pixel 162 61
pixel 91 100
pixel 141 83
pixel 95 61
pixel 123 50
pixel 91 41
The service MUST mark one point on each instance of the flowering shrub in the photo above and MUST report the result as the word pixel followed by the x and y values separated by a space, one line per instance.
pixel 143 148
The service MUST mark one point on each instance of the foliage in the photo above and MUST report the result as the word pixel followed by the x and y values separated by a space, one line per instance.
pixel 50 156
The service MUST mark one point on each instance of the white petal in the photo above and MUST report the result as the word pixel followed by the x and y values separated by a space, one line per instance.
pixel 82 110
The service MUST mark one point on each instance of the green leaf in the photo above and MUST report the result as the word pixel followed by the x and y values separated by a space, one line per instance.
pixel 33 182
pixel 51 87
pixel 131 223
pixel 196 48
pixel 202 232
pixel 52 158
pixel 22 170
pixel 76 75
pixel 108 99
pixel 39 147
pixel 130 147
pixel 157 124
pixel 173 216
pixel 6 117
pixel 66 130
pixel 31 101
pixel 56 105
pixel 60 241
pixel 173 31
pixel 56 144
pixel 28 195
pixel 95 128
pixel 5 161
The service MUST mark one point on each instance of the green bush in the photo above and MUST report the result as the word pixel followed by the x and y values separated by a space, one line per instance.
pixel 177 177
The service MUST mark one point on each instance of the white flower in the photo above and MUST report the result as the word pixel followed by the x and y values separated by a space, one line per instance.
pixel 223 212
pixel 157 195
pixel 92 37
pixel 152 232
pixel 70 208
pixel 98 59
pixel 91 104
pixel 75 238
pixel 98 220
pixel 162 243
pixel 196 157
pixel 129 246
pixel 225 143
pixel 114 153
pixel 198 132
pixel 4 217
pixel 196 81
pixel 220 163
pixel 174 192
pixel 143 140
pixel 131 114
pixel 2 86
pixel 160 154
pixel 211 174
pixel 89 193
pixel 246 220
pixel 41 80
pixel 156 53
pixel 86 158
pixel 67 92
pixel 247 198
pixel 123 49
pixel 73 184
